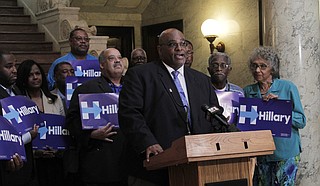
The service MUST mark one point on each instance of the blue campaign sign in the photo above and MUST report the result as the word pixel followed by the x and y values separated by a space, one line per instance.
pixel 72 83
pixel 230 103
pixel 52 133
pixel 97 110
pixel 21 112
pixel 274 115
pixel 86 68
pixel 10 141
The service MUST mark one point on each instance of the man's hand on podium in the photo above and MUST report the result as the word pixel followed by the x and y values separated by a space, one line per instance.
pixel 153 150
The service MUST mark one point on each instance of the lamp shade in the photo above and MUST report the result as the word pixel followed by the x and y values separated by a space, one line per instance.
pixel 210 27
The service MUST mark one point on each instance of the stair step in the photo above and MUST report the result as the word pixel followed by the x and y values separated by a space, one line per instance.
pixel 22 36
pixel 44 58
pixel 8 3
pixel 15 18
pixel 11 10
pixel 14 27
pixel 26 45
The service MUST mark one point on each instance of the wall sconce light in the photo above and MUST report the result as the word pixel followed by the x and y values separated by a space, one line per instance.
pixel 210 29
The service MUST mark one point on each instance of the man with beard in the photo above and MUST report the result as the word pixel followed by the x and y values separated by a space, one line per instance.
pixel 79 43
pixel 101 150
pixel 219 68
pixel 15 172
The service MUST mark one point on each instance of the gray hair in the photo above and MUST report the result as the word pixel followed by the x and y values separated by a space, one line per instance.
pixel 138 49
pixel 269 54
pixel 214 57
pixel 102 58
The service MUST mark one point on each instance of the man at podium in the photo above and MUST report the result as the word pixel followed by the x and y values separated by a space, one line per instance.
pixel 152 112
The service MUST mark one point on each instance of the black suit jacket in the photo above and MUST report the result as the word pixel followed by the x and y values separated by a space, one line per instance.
pixel 151 112
pixel 100 161
pixel 26 174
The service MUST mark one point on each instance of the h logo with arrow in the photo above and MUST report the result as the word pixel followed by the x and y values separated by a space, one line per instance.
pixel 12 114
pixel 95 110
pixel 252 114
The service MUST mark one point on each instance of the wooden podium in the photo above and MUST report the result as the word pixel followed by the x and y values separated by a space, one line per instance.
pixel 213 159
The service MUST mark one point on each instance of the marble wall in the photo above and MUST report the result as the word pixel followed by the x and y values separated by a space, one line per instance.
pixel 293 28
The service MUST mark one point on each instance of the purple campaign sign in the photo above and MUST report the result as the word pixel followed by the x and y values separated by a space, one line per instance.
pixel 274 115
pixel 86 68
pixel 10 141
pixel 21 112
pixel 52 133
pixel 230 103
pixel 71 84
pixel 98 109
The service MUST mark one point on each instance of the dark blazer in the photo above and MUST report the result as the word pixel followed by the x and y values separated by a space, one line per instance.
pixel 26 174
pixel 151 112
pixel 100 161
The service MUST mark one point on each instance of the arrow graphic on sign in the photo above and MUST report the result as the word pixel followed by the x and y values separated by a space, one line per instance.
pixel 12 114
pixel 253 114
pixel 78 71
pixel 43 131
pixel 95 110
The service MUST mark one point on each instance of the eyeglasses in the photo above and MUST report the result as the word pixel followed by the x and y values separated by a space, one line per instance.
pixel 139 58
pixel 86 39
pixel 182 44
pixel 254 66
pixel 221 65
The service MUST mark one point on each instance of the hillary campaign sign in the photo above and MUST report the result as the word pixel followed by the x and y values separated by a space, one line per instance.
pixel 21 112
pixel 86 68
pixel 10 141
pixel 52 133
pixel 230 103
pixel 274 115
pixel 72 83
pixel 98 109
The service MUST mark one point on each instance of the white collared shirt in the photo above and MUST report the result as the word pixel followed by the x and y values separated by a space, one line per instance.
pixel 9 90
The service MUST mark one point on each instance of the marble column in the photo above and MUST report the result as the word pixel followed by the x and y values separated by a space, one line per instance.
pixel 292 27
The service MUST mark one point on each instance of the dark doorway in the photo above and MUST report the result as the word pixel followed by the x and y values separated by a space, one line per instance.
pixel 150 35
pixel 121 38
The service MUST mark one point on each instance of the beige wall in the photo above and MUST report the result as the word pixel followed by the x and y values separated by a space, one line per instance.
pixel 238 44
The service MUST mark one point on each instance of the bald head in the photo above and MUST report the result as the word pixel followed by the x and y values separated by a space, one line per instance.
pixel 172 48
pixel 111 64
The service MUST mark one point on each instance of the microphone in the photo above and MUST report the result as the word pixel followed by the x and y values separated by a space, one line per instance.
pixel 215 112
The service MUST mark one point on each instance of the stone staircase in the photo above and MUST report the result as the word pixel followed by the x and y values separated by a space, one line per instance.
pixel 22 38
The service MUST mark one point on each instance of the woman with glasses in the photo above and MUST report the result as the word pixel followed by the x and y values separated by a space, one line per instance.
pixel 281 167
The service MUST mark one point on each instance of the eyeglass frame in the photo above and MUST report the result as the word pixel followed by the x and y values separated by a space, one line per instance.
pixel 254 66
pixel 139 58
pixel 172 44
pixel 78 39
pixel 216 66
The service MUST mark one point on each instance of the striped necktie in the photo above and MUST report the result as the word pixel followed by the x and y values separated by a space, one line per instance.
pixel 181 93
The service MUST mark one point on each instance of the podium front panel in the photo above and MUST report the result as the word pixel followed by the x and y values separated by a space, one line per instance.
pixel 214 171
